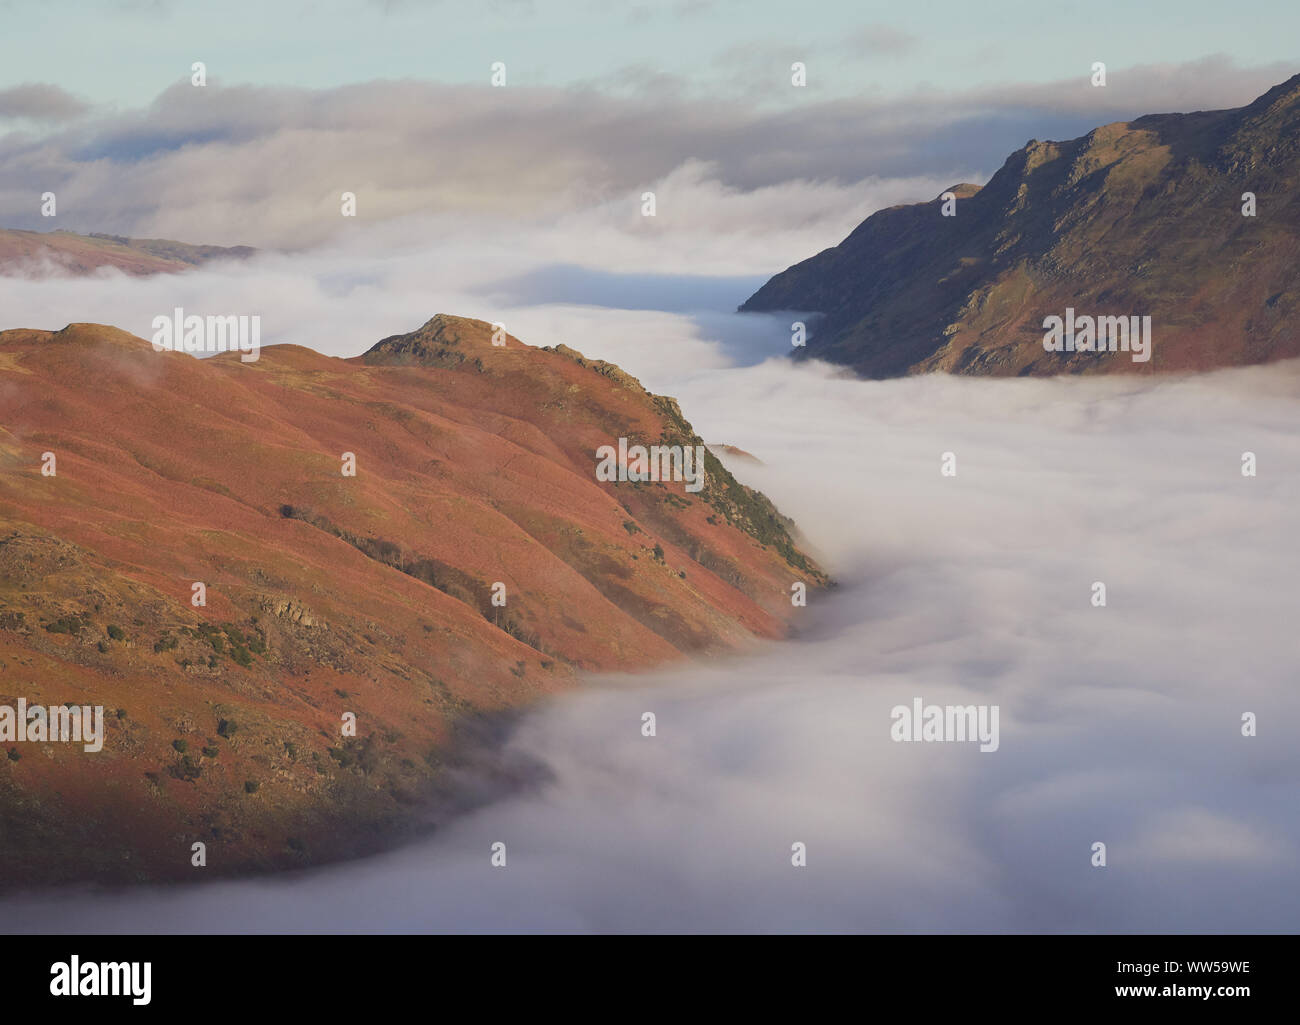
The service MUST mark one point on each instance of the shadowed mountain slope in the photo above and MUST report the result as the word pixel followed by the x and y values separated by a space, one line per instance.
pixel 1134 219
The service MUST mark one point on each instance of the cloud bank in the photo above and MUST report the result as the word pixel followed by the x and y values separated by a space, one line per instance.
pixel 266 166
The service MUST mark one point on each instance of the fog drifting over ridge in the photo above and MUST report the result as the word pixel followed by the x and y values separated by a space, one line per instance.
pixel 1118 724
pixel 708 246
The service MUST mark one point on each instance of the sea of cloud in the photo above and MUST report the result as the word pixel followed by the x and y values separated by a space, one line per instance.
pixel 1119 724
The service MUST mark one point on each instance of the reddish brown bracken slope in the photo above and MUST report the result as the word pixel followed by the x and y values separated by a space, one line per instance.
pixel 326 593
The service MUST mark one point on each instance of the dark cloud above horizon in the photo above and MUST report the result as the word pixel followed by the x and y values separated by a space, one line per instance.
pixel 266 165
pixel 41 101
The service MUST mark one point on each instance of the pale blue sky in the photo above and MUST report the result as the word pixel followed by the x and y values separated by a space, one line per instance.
pixel 124 53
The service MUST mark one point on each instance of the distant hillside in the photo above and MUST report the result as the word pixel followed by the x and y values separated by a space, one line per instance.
pixel 1134 219
pixel 326 593
pixel 69 253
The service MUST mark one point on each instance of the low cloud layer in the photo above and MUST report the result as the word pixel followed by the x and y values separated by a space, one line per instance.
pixel 549 279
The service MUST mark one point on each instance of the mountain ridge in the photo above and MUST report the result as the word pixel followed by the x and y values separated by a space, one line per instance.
pixel 68 252
pixel 1138 218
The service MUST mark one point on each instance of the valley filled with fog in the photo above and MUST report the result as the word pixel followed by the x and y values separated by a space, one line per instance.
pixel 1119 724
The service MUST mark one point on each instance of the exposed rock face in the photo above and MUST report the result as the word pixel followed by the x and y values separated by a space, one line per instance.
pixel 1143 218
